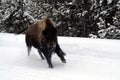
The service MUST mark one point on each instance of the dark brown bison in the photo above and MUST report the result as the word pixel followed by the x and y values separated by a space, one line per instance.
pixel 43 36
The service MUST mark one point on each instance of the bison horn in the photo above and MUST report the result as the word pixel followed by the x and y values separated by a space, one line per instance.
pixel 59 24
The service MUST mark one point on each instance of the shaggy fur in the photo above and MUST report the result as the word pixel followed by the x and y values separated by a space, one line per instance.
pixel 43 36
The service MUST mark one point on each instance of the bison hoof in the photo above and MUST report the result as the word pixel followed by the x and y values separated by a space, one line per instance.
pixel 43 58
pixel 50 66
pixel 64 61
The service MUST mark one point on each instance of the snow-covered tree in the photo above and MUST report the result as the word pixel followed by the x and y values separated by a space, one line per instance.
pixel 79 18
pixel 15 15
pixel 108 23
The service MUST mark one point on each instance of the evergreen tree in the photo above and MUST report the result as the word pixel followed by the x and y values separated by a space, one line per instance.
pixel 107 18
pixel 79 18
pixel 15 16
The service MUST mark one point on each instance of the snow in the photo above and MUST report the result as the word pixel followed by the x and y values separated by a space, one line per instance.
pixel 109 1
pixel 84 13
pixel 28 15
pixel 87 59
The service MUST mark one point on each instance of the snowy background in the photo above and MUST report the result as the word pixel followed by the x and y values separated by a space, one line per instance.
pixel 80 18
pixel 96 57
pixel 87 59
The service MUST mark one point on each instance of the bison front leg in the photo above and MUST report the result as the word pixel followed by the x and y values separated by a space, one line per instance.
pixel 60 53
pixel 47 56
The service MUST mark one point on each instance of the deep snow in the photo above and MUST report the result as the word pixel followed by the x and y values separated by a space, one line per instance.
pixel 87 59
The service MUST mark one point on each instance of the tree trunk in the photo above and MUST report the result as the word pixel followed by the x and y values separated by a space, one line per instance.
pixel 84 26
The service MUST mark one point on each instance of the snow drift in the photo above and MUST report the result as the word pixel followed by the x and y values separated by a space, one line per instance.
pixel 87 59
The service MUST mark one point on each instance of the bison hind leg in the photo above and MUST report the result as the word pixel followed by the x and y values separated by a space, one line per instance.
pixel 40 53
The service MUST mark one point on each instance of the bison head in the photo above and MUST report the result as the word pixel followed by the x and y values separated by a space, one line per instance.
pixel 50 38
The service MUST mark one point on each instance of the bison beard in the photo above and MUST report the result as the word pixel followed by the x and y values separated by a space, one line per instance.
pixel 43 36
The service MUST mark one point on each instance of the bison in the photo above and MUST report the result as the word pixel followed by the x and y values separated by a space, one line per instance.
pixel 43 36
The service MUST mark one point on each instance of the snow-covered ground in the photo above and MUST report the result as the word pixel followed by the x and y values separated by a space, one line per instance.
pixel 87 59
